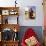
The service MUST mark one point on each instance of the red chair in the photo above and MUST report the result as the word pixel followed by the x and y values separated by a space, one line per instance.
pixel 29 33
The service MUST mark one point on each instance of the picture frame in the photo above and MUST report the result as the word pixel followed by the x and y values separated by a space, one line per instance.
pixel 13 12
pixel 5 12
pixel 30 12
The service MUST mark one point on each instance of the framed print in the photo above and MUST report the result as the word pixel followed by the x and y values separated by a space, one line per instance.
pixel 30 12
pixel 5 12
pixel 26 13
pixel 13 12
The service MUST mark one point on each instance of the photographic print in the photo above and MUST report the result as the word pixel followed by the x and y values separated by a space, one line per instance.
pixel 5 12
pixel 30 12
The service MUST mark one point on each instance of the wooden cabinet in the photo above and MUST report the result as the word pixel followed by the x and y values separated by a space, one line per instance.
pixel 9 25
pixel 5 40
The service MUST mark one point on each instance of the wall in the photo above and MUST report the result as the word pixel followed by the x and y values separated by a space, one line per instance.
pixel 39 13
pixel 24 3
pixel 7 3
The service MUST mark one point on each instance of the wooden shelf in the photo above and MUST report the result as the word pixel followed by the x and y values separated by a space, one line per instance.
pixel 5 11
pixel 10 9
pixel 2 8
pixel 9 26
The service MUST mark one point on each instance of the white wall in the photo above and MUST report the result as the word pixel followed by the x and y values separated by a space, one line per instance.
pixel 24 3
pixel 7 3
pixel 39 13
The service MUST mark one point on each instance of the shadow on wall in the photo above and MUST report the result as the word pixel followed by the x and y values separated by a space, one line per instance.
pixel 37 29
